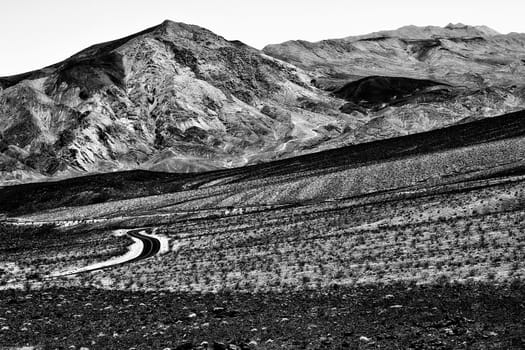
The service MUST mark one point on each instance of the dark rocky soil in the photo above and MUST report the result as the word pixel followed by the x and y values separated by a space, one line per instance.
pixel 472 316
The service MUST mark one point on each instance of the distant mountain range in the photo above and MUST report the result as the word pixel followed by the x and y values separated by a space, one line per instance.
pixel 180 98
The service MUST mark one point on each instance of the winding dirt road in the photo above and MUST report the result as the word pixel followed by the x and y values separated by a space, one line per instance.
pixel 150 247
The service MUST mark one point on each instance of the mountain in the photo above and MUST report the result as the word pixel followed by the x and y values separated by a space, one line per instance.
pixel 457 54
pixel 175 97
pixel 421 77
pixel 180 98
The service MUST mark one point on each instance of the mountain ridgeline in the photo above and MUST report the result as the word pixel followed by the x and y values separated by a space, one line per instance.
pixel 179 98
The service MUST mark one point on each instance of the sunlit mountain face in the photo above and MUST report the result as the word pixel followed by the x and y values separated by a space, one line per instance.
pixel 179 98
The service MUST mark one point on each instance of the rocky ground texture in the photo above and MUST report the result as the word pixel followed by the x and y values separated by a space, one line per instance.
pixel 475 316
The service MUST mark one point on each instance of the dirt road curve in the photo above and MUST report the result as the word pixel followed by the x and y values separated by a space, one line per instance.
pixel 150 247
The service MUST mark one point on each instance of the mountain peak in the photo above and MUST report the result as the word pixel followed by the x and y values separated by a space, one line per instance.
pixel 487 30
pixel 456 26
pixel 175 25
pixel 482 29
pixel 458 30
pixel 169 25
pixel 168 22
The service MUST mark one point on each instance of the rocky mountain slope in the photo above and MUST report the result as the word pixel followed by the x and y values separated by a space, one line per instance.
pixel 421 77
pixel 457 54
pixel 175 97
pixel 180 98
pixel 477 150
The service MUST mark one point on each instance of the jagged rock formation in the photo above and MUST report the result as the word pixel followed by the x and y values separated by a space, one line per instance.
pixel 180 98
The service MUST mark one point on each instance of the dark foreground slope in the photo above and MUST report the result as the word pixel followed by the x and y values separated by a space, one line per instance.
pixel 120 185
pixel 475 316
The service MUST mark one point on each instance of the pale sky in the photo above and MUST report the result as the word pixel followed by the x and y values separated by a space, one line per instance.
pixel 37 33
